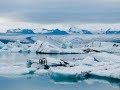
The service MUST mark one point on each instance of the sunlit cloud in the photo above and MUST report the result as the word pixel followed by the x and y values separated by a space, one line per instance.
pixel 4 20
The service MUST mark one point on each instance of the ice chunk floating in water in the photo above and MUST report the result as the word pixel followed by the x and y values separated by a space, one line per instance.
pixel 100 64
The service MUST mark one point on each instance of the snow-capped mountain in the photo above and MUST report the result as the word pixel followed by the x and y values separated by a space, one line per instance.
pixel 53 32
pixel 20 31
pixel 71 31
pixel 74 30
pixel 110 31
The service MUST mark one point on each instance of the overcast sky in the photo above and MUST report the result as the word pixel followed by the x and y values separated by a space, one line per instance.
pixel 59 13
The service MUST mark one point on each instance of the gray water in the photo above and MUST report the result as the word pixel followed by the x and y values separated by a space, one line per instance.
pixel 45 82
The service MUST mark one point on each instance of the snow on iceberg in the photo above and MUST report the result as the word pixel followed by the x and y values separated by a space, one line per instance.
pixel 109 65
pixel 100 64
pixel 46 47
pixel 14 70
pixel 106 57
pixel 15 47
pixel 104 46
pixel 68 74
pixel 51 62
pixel 1 45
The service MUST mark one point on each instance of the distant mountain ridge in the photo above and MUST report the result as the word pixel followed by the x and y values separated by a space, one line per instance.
pixel 71 31
pixel 54 32
pixel 110 31
pixel 74 30
pixel 20 31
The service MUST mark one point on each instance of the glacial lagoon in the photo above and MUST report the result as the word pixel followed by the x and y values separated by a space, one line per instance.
pixel 44 81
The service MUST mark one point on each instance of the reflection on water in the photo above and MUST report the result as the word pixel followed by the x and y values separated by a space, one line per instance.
pixel 75 79
pixel 11 58
pixel 45 82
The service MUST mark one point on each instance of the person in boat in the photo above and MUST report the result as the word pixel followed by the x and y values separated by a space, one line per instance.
pixel 40 61
pixel 45 64
pixel 44 61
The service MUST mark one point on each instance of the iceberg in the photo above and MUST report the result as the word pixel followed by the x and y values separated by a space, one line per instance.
pixel 15 47
pixel 100 64
pixel 1 45
pixel 47 48
pixel 109 47
pixel 67 74
pixel 106 57
pixel 14 70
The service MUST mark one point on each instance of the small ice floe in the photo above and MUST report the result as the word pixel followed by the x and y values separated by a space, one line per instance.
pixel 15 70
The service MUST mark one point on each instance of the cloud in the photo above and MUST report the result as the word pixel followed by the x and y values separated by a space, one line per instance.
pixel 61 11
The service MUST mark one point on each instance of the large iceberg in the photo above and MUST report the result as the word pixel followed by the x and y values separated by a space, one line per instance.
pixel 100 64
pixel 46 47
